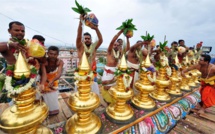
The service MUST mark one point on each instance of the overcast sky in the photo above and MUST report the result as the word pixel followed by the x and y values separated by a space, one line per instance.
pixel 191 20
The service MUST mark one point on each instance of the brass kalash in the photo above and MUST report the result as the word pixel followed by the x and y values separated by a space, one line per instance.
pixel 192 74
pixel 144 85
pixel 196 73
pixel 25 116
pixel 120 112
pixel 162 82
pixel 83 103
pixel 174 88
pixel 185 80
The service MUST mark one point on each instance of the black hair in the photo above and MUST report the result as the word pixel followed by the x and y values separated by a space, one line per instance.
pixel 15 22
pixel 87 34
pixel 179 41
pixel 39 38
pixel 119 39
pixel 139 41
pixel 54 48
pixel 206 57
pixel 174 42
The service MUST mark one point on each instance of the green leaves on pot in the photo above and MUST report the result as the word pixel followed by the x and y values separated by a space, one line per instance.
pixel 80 9
pixel 147 37
pixel 127 26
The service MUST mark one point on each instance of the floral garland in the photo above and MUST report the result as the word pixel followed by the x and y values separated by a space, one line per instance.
pixel 22 42
pixel 150 78
pixel 88 76
pixel 169 71
pixel 89 50
pixel 18 89
pixel 115 54
pixel 164 61
pixel 127 79
pixel 148 75
pixel 138 53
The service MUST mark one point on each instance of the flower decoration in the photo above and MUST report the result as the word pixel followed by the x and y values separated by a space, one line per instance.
pixel 127 79
pixel 14 86
pixel 85 77
pixel 181 50
pixel 128 27
pixel 80 9
pixel 21 42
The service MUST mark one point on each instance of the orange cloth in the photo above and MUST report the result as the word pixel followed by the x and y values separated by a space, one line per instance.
pixel 50 77
pixel 207 94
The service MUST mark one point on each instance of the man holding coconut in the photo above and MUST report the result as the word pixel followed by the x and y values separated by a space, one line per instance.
pixel 114 54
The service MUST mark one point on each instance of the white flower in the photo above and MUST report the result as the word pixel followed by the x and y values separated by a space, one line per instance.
pixel 168 71
pixel 150 78
pixel 127 80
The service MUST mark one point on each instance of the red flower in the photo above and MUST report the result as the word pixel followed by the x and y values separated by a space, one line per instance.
pixel 33 75
pixel 127 89
pixel 9 73
pixel 88 78
pixel 32 62
pixel 13 50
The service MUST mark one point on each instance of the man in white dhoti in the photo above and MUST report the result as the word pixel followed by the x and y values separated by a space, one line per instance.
pixel 114 53
pixel 54 68
pixel 134 57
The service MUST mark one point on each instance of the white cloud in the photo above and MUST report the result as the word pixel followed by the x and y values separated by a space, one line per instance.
pixel 191 20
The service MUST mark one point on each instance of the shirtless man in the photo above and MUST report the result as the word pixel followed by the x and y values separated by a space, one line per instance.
pixel 207 81
pixel 17 30
pixel 133 59
pixel 86 45
pixel 114 53
pixel 54 67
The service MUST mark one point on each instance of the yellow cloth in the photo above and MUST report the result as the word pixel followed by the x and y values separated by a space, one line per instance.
pixel 50 77
pixel 209 81
pixel 35 49
pixel 106 96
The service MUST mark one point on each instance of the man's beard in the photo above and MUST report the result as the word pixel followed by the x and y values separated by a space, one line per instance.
pixel 115 49
pixel 88 45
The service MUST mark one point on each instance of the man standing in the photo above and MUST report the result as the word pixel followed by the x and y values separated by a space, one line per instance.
pixel 134 58
pixel 207 81
pixel 182 55
pixel 54 67
pixel 86 45
pixel 114 53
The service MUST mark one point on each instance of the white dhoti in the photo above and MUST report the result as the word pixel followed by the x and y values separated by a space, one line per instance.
pixel 108 74
pixel 135 75
pixel 51 99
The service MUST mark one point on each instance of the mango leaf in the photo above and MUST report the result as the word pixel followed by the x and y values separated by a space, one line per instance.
pixel 147 37
pixel 127 25
pixel 23 77
pixel 80 9
pixel 87 9
pixel 76 10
